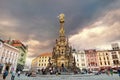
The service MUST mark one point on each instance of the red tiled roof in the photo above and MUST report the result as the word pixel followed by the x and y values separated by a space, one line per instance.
pixel 46 54
pixel 15 43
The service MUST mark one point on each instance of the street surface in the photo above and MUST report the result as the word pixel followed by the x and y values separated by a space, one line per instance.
pixel 68 77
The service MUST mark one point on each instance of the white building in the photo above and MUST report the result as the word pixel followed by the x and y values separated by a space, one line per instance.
pixel 8 57
pixel 115 52
pixel 80 59
pixel 115 58
pixel 115 46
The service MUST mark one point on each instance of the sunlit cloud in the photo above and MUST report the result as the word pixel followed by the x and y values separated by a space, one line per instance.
pixel 100 34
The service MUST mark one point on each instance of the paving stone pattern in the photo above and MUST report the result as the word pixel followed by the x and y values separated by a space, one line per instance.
pixel 68 77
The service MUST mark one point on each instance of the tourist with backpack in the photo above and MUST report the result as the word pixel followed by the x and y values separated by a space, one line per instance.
pixel 5 74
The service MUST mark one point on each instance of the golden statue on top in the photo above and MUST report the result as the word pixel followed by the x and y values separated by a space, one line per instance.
pixel 61 17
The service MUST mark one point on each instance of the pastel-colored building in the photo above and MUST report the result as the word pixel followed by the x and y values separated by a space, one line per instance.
pixel 115 46
pixel 115 58
pixel 44 60
pixel 41 61
pixel 104 59
pixel 80 59
pixel 35 64
pixel 92 60
pixel 8 57
pixel 23 52
pixel 115 52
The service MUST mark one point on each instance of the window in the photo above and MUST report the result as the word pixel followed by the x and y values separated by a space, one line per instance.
pixel 83 64
pixel 77 60
pixel 104 58
pixel 22 54
pixel 82 55
pixel 105 63
pixel 82 60
pixel 108 63
pixel 21 59
pixel 114 57
pixel 116 62
pixel 113 53
pixel 106 53
pixel 100 63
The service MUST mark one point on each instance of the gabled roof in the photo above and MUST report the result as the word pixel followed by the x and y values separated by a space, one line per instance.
pixel 45 54
pixel 15 43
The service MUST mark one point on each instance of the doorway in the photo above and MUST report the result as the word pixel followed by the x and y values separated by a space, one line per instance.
pixel 62 65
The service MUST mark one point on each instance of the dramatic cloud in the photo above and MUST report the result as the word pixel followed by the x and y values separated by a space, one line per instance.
pixel 99 34
pixel 35 22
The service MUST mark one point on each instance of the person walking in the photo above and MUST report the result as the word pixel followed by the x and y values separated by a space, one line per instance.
pixel 5 74
pixel 12 75
pixel 118 71
pixel 18 73
pixel 111 71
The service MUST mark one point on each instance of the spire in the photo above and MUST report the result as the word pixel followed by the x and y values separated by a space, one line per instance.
pixel 61 20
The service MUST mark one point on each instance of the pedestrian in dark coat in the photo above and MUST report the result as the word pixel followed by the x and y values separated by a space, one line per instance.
pixel 118 71
pixel 5 74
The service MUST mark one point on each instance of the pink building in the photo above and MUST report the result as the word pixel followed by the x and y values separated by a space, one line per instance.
pixel 92 60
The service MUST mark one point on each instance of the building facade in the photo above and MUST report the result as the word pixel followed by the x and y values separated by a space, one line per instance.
pixel 105 59
pixel 23 52
pixel 115 52
pixel 115 58
pixel 44 60
pixel 92 60
pixel 8 57
pixel 41 62
pixel 35 64
pixel 80 59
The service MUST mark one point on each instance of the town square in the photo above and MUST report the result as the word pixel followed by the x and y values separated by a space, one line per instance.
pixel 68 77
pixel 59 40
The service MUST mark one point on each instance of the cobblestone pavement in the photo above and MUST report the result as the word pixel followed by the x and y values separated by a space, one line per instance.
pixel 68 77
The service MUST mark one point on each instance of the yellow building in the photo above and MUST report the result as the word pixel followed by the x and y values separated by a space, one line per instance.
pixel 35 63
pixel 41 61
pixel 44 60
pixel 104 59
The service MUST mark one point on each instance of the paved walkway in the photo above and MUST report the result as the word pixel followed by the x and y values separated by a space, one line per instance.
pixel 68 77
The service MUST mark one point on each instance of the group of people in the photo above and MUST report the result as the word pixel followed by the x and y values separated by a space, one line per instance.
pixel 13 73
pixel 5 74
pixel 109 71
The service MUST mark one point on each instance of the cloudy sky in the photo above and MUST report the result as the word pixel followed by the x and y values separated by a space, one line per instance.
pixel 88 23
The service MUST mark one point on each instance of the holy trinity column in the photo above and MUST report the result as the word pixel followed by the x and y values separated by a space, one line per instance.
pixel 62 52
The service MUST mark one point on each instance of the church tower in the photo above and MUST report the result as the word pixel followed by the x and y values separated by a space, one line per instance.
pixel 62 52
